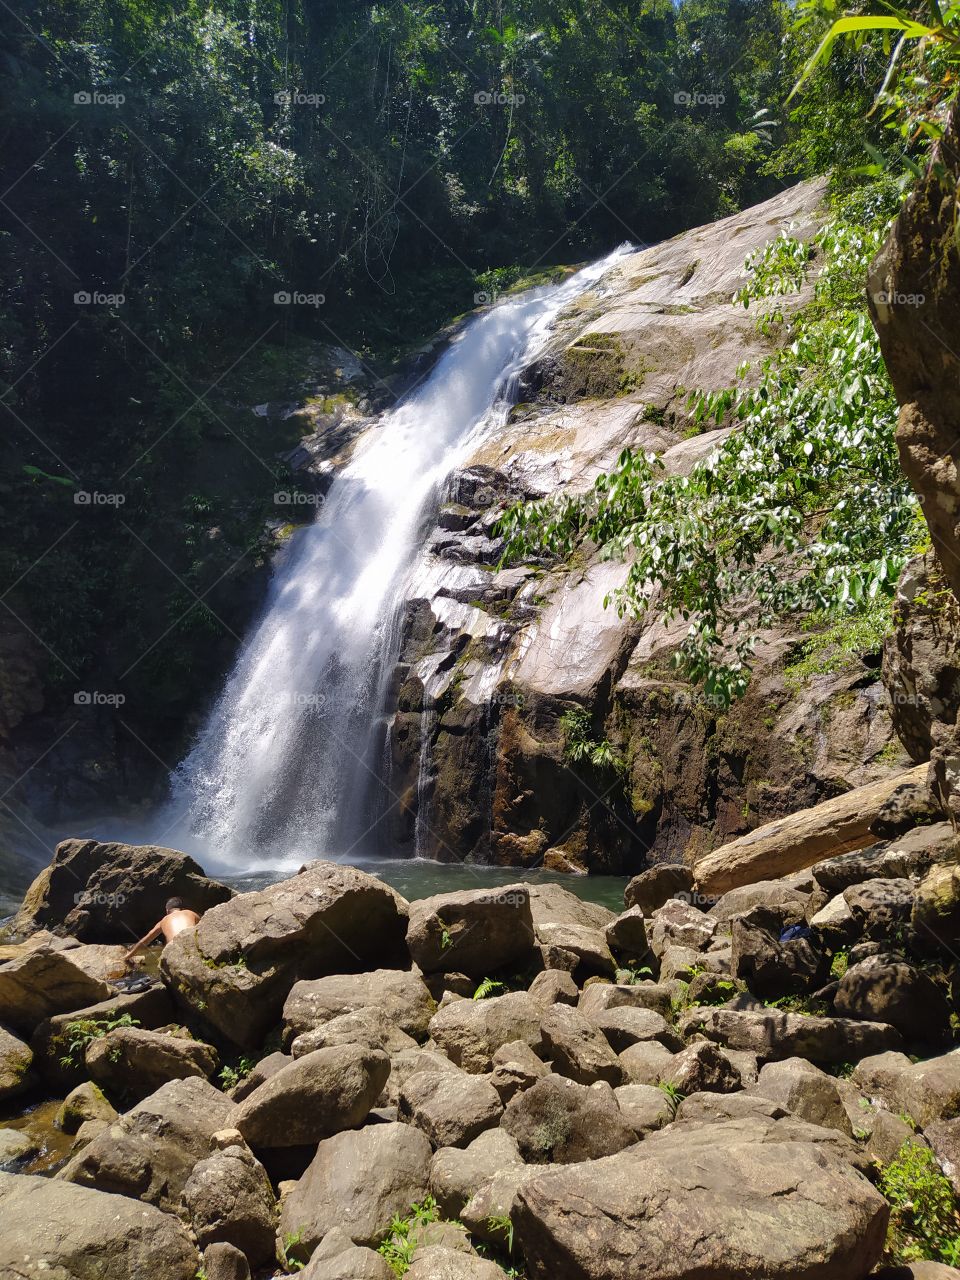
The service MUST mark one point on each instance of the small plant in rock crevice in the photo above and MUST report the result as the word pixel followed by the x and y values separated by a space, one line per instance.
pixel 84 1030
pixel 924 1223
pixel 402 1238
pixel 489 987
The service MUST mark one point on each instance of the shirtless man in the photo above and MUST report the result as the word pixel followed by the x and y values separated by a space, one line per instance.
pixel 177 919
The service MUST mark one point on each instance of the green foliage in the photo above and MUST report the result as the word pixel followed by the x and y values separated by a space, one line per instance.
pixel 579 746
pixel 839 964
pixel 837 641
pixel 803 508
pixel 674 1094
pixel 924 1223
pixel 502 1224
pixel 400 1242
pixel 231 1075
pixel 291 1241
pixel 82 1031
pixel 489 987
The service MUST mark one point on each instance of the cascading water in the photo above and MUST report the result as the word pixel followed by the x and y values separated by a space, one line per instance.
pixel 283 768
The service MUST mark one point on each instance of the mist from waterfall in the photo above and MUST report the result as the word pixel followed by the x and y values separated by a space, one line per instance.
pixel 290 762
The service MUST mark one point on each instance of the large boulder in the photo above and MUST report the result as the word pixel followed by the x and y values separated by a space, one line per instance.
pixel 237 967
pixel 336 1258
pixel 15 1061
pixel 886 989
pixel 624 1026
pixel 679 924
pixel 804 1090
pixel 372 1027
pixel 564 1122
pixel 909 855
pixel 151 1150
pixel 925 1091
pixel 135 1062
pixel 777 895
pixel 113 892
pixel 450 1264
pixel 62 1232
pixel 314 1097
pixel 653 887
pixel 702 1205
pixel 456 1173
pixel 474 931
pixel 768 966
pixel 85 1102
pixel 44 981
pixel 577 1048
pixel 935 914
pixel 358 1180
pixel 228 1198
pixel 399 995
pixel 600 996
pixel 470 1031
pixel 451 1109
pixel 881 907
pixel 773 1035
pixel 702 1068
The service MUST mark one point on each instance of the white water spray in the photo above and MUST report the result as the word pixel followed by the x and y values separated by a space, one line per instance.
pixel 287 766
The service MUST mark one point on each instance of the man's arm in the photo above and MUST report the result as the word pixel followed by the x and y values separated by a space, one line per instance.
pixel 144 941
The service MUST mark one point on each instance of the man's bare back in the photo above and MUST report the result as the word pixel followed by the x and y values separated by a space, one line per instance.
pixel 177 920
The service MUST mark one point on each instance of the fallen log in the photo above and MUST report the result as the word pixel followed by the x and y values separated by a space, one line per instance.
pixel 801 839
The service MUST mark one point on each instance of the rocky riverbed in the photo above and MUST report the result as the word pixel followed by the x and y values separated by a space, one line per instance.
pixel 326 1078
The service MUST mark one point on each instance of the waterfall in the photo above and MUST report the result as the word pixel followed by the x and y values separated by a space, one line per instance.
pixel 289 763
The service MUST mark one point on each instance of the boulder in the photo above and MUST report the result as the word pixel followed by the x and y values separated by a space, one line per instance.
pixel 222 1261
pixel 564 1122
pixel 446 1264
pixel 881 907
pixel 789 903
pixel 627 935
pixel 45 981
pixel 470 1031
pixel 314 1097
pixel 474 931
pixel 16 1059
pixel 260 1072
pixel 455 1173
pixel 653 887
pixel 237 967
pixel 51 1228
pixel 644 1107
pixel 701 1068
pixel 804 1090
pixel 374 1028
pixel 944 1138
pixel 577 1048
pixel 150 1151
pixel 109 892
pixel 515 1067
pixel 58 1051
pixel 358 1180
pixel 228 1199
pixel 886 989
pixel 645 1061
pixel 640 995
pixel 925 1091
pixel 935 914
pixel 801 839
pixel 567 926
pixel 553 986
pixel 16 1147
pixel 352 1263
pixel 917 1271
pixel 624 1026
pixel 679 924
pixel 713 1108
pixel 888 1135
pixel 85 1102
pixel 451 1109
pixel 400 996
pixel 702 1205
pixel 134 1062
pixel 588 946
pixel 773 1035
pixel 768 966
pixel 908 856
